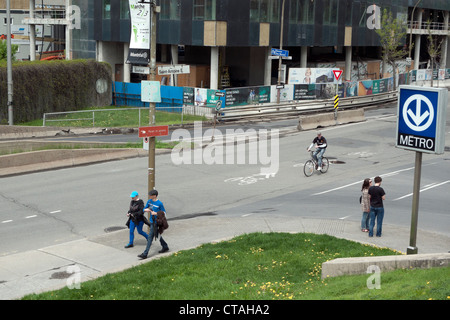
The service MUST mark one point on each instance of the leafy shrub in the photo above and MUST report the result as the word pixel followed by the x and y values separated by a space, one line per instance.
pixel 53 86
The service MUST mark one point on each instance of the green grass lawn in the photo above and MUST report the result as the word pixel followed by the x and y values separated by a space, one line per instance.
pixel 259 266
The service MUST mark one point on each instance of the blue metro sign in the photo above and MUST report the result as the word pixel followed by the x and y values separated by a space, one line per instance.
pixel 421 119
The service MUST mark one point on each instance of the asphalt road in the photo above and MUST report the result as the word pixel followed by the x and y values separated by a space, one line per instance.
pixel 47 208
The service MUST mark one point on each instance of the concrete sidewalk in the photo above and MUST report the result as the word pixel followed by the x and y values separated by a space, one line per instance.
pixel 60 265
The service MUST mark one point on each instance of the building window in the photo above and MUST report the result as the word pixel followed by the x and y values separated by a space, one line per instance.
pixel 362 14
pixel 301 12
pixel 170 10
pixel 5 21
pixel 124 9
pixel 348 13
pixel 106 9
pixel 204 10
pixel 330 12
pixel 306 12
pixel 265 10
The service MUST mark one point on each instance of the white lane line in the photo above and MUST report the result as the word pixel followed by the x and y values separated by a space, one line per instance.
pixel 33 216
pixel 6 221
pixel 427 187
pixel 57 211
pixel 338 188
pixel 352 184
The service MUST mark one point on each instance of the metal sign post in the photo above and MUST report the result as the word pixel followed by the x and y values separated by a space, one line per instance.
pixel 9 65
pixel 420 128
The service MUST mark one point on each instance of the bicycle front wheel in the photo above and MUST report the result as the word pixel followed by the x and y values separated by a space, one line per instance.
pixel 325 165
pixel 308 168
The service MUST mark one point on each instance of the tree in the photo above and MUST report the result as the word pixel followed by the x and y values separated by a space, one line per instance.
pixel 3 50
pixel 392 34
pixel 434 49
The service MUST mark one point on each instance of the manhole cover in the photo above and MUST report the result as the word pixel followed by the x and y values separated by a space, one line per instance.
pixel 112 229
pixel 337 162
pixel 60 275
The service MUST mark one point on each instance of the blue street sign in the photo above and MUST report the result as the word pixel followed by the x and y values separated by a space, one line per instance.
pixel 279 52
pixel 421 119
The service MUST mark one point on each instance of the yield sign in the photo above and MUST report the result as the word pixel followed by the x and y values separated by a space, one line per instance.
pixel 337 74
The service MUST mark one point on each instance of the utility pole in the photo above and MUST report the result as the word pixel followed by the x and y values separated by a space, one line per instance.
pixel 281 47
pixel 9 65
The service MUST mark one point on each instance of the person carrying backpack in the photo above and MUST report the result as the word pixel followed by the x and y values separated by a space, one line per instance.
pixel 154 206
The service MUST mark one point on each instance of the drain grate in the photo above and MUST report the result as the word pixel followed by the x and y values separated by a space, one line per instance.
pixel 193 215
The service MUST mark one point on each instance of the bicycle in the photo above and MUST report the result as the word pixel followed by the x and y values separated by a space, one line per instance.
pixel 311 165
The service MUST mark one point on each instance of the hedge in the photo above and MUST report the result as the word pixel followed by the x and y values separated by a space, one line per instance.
pixel 54 86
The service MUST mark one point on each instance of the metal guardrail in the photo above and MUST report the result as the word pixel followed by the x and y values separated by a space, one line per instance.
pixel 424 25
pixel 294 109
pixel 47 117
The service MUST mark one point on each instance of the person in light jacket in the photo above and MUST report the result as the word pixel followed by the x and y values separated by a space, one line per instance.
pixel 365 205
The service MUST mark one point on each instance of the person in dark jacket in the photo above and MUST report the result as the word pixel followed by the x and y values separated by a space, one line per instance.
pixel 135 217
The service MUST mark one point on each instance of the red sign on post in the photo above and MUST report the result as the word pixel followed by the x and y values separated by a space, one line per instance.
pixel 154 131
pixel 337 74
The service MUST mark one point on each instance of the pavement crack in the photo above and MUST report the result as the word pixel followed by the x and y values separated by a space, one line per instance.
pixel 35 210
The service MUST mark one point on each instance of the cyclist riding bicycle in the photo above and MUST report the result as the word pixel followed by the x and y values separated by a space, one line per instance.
pixel 321 145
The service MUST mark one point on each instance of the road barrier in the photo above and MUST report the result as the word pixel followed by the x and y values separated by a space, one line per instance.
pixel 272 111
pixel 308 122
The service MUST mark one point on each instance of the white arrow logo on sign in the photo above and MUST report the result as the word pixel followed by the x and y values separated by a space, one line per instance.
pixel 418 117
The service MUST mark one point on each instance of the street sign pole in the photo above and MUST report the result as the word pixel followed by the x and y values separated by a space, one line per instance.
pixel 152 105
pixel 281 47
pixel 9 65
pixel 421 117
pixel 412 249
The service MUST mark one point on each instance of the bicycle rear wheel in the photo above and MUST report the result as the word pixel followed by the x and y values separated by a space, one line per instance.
pixel 308 168
pixel 325 165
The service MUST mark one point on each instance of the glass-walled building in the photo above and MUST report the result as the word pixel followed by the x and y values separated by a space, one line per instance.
pixel 235 36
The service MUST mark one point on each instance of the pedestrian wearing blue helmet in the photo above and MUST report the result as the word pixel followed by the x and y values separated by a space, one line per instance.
pixel 135 217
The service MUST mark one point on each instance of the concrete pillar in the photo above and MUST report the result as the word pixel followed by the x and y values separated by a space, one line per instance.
pixel 267 68
pixel 348 63
pixel 417 42
pixel 304 57
pixel 174 54
pixel 444 52
pixel 126 66
pixel 68 33
pixel 32 29
pixel 214 74
pixel 163 53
